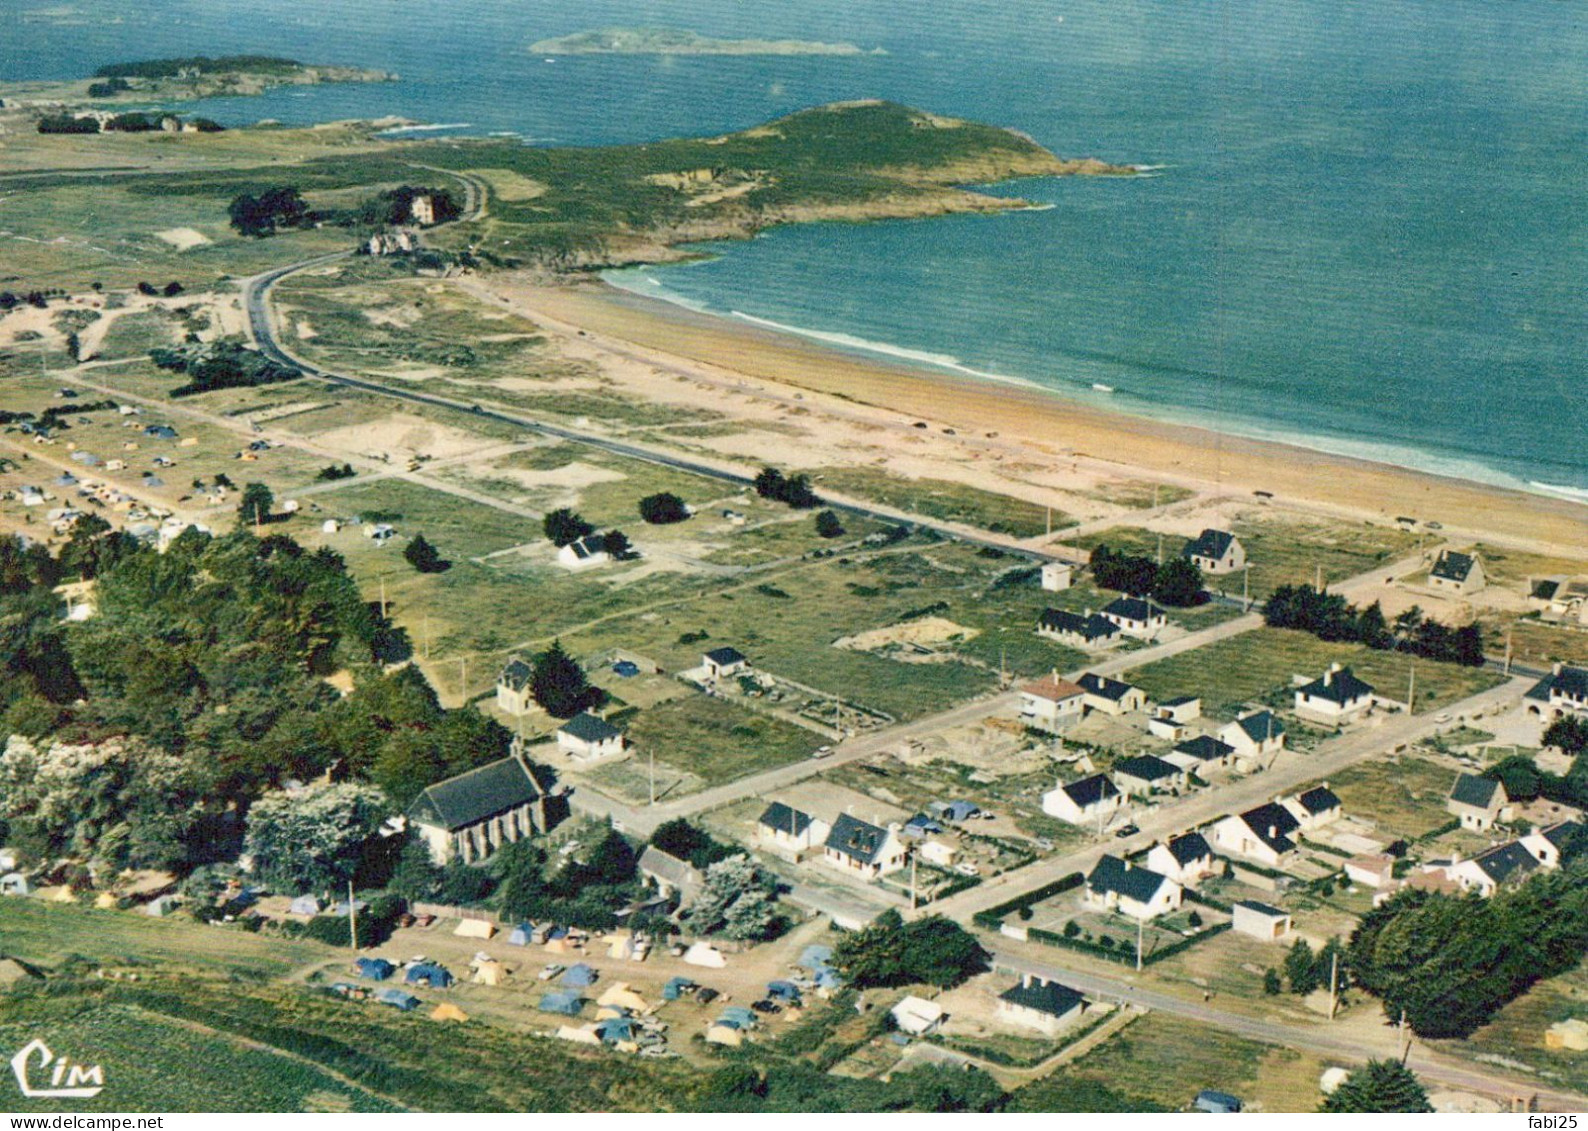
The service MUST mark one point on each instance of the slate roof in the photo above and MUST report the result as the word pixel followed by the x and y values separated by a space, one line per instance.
pixel 1131 881
pixel 1133 609
pixel 1570 682
pixel 1262 908
pixel 1506 862
pixel 1089 628
pixel 1452 566
pixel 725 656
pixel 1104 687
pixel 477 794
pixel 1545 588
pixel 515 675
pixel 1053 688
pixel 1276 817
pixel 1089 791
pixel 1562 834
pixel 588 546
pixel 1147 767
pixel 856 839
pixel 1338 687
pixel 1260 725
pixel 587 728
pixel 1320 800
pixel 1205 748
pixel 1180 701
pixel 1478 792
pixel 1209 544
pixel 1045 997
pixel 1189 848
pixel 785 819
pixel 669 869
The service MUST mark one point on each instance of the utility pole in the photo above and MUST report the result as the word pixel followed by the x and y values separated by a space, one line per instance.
pixel 1246 590
pixel 463 681
pixel 653 775
pixel 1334 985
pixel 1141 931
pixel 427 634
pixel 383 596
pixel 1318 585
pixel 1003 667
pixel 1406 1040
pixel 1508 629
pixel 913 900
pixel 1160 548
pixel 1411 688
pixel 1050 522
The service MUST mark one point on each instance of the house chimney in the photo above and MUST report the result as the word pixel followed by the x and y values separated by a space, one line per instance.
pixel 1273 832
pixel 1556 669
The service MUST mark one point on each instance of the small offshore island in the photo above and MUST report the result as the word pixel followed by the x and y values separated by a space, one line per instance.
pixel 163 80
pixel 679 41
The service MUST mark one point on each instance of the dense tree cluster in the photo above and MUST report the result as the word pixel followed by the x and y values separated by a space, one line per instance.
pixel 1330 616
pixel 737 901
pixel 424 557
pixel 313 839
pixel 828 525
pixel 662 508
pixel 795 490
pixel 1452 963
pixel 109 88
pixel 891 952
pixel 68 124
pixel 1380 1085
pixel 280 206
pixel 687 842
pixel 563 527
pixel 1570 733
pixel 1176 582
pixel 589 892
pixel 395 206
pixel 558 684
pixel 1524 780
pixel 219 365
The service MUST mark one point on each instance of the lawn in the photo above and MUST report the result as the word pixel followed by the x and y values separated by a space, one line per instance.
pixel 1403 795
pixel 1533 642
pixel 1258 665
pixel 715 740
pixel 943 500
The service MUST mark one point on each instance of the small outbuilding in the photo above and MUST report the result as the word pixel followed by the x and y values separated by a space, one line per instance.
pixel 1260 921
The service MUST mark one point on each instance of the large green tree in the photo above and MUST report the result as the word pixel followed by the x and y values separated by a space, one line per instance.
pixel 256 504
pixel 891 952
pixel 314 839
pixel 563 527
pixel 738 901
pixel 1380 1086
pixel 558 683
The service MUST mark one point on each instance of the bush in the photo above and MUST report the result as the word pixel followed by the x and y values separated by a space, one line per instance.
pixel 663 508
pixel 828 525
pixel 1072 929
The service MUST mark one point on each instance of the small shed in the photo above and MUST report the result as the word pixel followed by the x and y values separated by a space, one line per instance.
pixel 446 1011
pixel 375 969
pixel 579 975
pixel 565 1002
pixel 304 905
pixel 15 883
pixel 522 935
pixel 960 810
pixel 704 954
pixel 431 974
pixel 396 998
pixel 1219 1103
pixel 917 1016
pixel 475 929
pixel 1260 921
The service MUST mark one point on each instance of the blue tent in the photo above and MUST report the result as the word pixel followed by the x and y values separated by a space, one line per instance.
pixel 815 957
pixel 376 969
pixel 87 459
pixel 556 933
pixel 160 431
pixel 677 987
pixel 579 975
pixel 960 810
pixel 738 1016
pixel 522 935
pixel 429 974
pixel 561 1001
pixel 783 991
pixel 628 669
pixel 616 1029
pixel 66 479
pixel 391 995
pixel 827 978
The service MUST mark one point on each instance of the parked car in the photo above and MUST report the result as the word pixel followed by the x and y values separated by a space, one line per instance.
pixel 766 1005
pixel 1128 830
pixel 967 869
pixel 550 971
pixel 706 995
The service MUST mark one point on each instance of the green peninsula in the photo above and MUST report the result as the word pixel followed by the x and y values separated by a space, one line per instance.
pixel 678 41
pixel 167 80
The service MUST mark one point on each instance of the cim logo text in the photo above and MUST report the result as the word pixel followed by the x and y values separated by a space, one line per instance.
pixel 67 1081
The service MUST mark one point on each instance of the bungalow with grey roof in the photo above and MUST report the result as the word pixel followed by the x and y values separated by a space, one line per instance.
pixel 790 830
pixel 1090 800
pixel 587 738
pixel 1215 552
pixel 1478 802
pixel 1118 885
pixel 1087 630
pixel 721 663
pixel 1040 1004
pixel 1111 696
pixel 1315 807
pixel 1259 920
pixel 1254 734
pixel 1146 774
pixel 1200 754
pixel 582 553
pixel 1185 859
pixel 1457 573
pixel 1136 617
pixel 1556 844
pixel 859 848
pixel 1263 834
pixel 1336 697
pixel 1494 868
pixel 1563 691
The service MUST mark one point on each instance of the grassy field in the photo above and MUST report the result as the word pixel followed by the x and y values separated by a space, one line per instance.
pixel 1517 1031
pixel 718 741
pixel 1167 1060
pixel 1404 796
pixel 1281 551
pixel 1536 643
pixel 943 500
pixel 1138 494
pixel 1258 665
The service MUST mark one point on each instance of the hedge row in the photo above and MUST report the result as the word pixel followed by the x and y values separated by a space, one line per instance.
pixel 993 917
pixel 1124 954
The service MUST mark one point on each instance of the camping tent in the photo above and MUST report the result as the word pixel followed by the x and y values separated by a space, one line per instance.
pixel 618 994
pixel 620 945
pixel 615 1030
pixel 704 954
pixel 566 1002
pixel 782 991
pixel 522 935
pixel 724 1035
pixel 375 969
pixel 14 883
pixel 429 974
pixel 391 995
pixel 578 1036
pixel 475 928
pixel 488 972
pixel 304 905
pixel 677 987
pixel 815 957
pixel 446 1011
pixel 737 1016
pixel 579 975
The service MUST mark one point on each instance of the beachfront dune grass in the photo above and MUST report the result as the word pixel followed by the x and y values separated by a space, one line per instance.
pixel 944 500
pixel 1257 666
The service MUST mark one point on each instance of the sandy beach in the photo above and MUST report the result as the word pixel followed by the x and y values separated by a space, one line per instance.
pixel 643 337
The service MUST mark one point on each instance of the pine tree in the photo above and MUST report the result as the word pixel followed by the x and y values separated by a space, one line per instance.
pixel 1383 1085
pixel 1301 968
pixel 558 683
pixel 423 556
pixel 256 503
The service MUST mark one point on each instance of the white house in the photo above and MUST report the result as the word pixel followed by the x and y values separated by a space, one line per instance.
pixel 1564 690
pixel 1371 870
pixel 1136 617
pixel 1263 834
pixel 1180 709
pixel 1118 885
pixel 1336 697
pixel 1254 734
pixel 1057 576
pixel 1315 807
pixel 1201 754
pixel 512 687
pixel 1090 801
pixel 863 849
pixel 1493 868
pixel 1110 696
pixel 1039 1004
pixel 1260 921
pixel 585 738
pixel 916 1016
pixel 791 830
pixel 1051 704
pixel 1479 803
pixel 723 663
pixel 1184 859
pixel 1457 573
pixel 582 553
pixel 1146 774
pixel 1078 630
pixel 1548 846
pixel 1215 552
pixel 938 852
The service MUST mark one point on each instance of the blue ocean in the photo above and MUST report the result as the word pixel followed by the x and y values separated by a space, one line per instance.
pixel 1362 226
